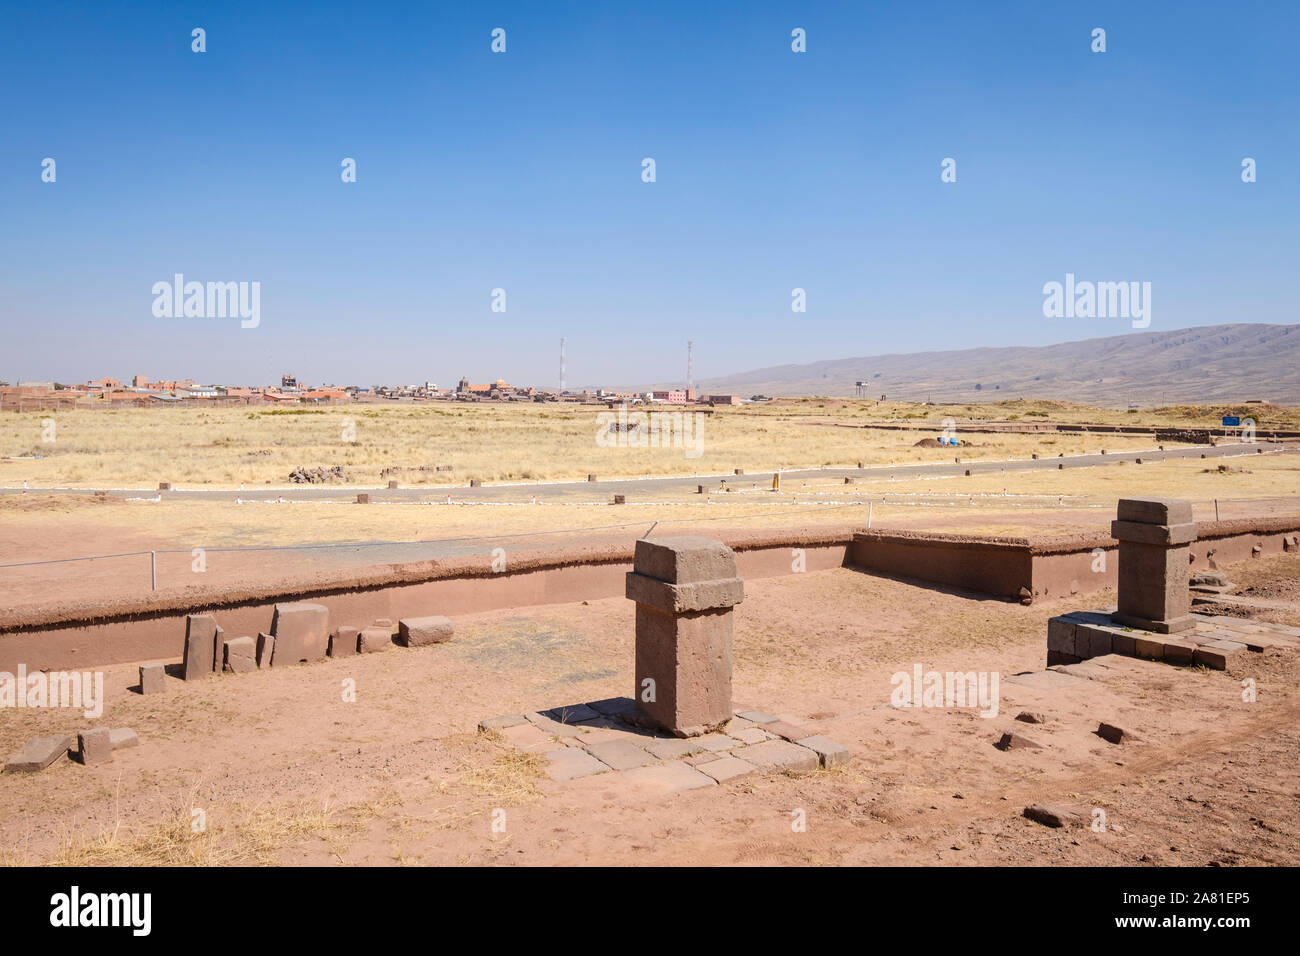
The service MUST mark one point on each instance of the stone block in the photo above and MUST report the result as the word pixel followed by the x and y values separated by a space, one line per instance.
pixel 363 499
pixel 38 753
pixel 726 768
pixel 218 650
pixel 301 631
pixel 665 779
pixel 673 748
pixel 501 723
pixel 682 598
pixel 95 746
pixel 343 642
pixel 829 752
pixel 570 763
pixel 779 755
pixel 418 631
pixel 749 735
pixel 757 717
pixel 1055 817
pixel 374 639
pixel 265 649
pixel 1149 648
pixel 241 655
pixel 200 646
pixel 571 713
pixel 1123 644
pixel 1060 635
pixel 1179 653
pixel 686 559
pixel 1110 733
pixel 529 738
pixel 1154 510
pixel 122 737
pixel 153 678
pixel 1011 741
pixel 786 731
pixel 620 754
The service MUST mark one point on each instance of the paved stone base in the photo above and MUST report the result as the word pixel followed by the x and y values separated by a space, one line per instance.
pixel 1211 640
pixel 608 737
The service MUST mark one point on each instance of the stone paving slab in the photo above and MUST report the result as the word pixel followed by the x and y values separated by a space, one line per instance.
pixel 750 735
pixel 726 768
pixel 666 778
pixel 780 755
pixel 620 754
pixel 757 717
pixel 673 748
pixel 531 739
pixel 501 723
pixel 830 753
pixel 571 714
pixel 570 763
pixel 552 727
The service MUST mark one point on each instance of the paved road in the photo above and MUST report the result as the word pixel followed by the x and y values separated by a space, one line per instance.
pixel 601 490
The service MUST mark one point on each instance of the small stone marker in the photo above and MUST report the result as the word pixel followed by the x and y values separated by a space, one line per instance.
pixel 200 646
pixel 38 753
pixel 392 485
pixel 619 499
pixel 363 499
pixel 301 631
pixel 1055 817
pixel 476 482
pixel 164 486
pixel 1012 741
pixel 501 723
pixel 153 678
pixel 218 650
pixel 123 737
pixel 265 648
pixel 684 589
pixel 1110 733
pixel 95 746
pixel 343 642
pixel 418 631
pixel 373 639
pixel 241 655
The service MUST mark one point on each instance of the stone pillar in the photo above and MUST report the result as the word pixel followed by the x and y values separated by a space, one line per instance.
pixel 684 589
pixel 1154 537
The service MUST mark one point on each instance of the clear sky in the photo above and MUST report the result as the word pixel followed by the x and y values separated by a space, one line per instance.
pixel 523 171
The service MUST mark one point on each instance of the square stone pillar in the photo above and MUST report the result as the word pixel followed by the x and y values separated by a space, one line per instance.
pixel 684 589
pixel 1154 537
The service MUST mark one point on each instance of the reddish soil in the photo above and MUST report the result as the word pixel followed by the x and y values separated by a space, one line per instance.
pixel 1202 778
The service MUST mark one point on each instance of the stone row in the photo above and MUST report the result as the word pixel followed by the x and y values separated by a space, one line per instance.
pixel 300 633
pixel 1076 637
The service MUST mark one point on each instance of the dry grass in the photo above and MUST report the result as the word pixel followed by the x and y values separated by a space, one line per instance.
pixel 224 447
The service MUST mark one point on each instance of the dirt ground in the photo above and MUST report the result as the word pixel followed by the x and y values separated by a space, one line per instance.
pixel 286 771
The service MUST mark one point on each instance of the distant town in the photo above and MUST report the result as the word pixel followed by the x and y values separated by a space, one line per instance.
pixel 113 393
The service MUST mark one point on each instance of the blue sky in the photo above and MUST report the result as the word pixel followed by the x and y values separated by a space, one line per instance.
pixel 522 171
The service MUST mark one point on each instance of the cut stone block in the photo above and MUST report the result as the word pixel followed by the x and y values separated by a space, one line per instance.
pixel 418 631
pixel 665 779
pixel 343 642
pixel 571 714
pixel 553 728
pixel 531 739
pixel 1110 733
pixel 301 631
pixel 200 644
pixel 95 746
pixel 620 754
pixel 829 752
pixel 726 768
pixel 122 737
pixel 265 649
pixel 749 735
pixel 787 731
pixel 38 753
pixel 153 678
pixel 757 717
pixel 1010 741
pixel 779 755
pixel 501 723
pixel 672 748
pixel 687 559
pixel 570 763
pixel 218 650
pixel 374 639
pixel 241 655
pixel 715 742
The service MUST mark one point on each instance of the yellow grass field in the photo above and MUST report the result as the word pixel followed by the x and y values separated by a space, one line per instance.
pixel 226 447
